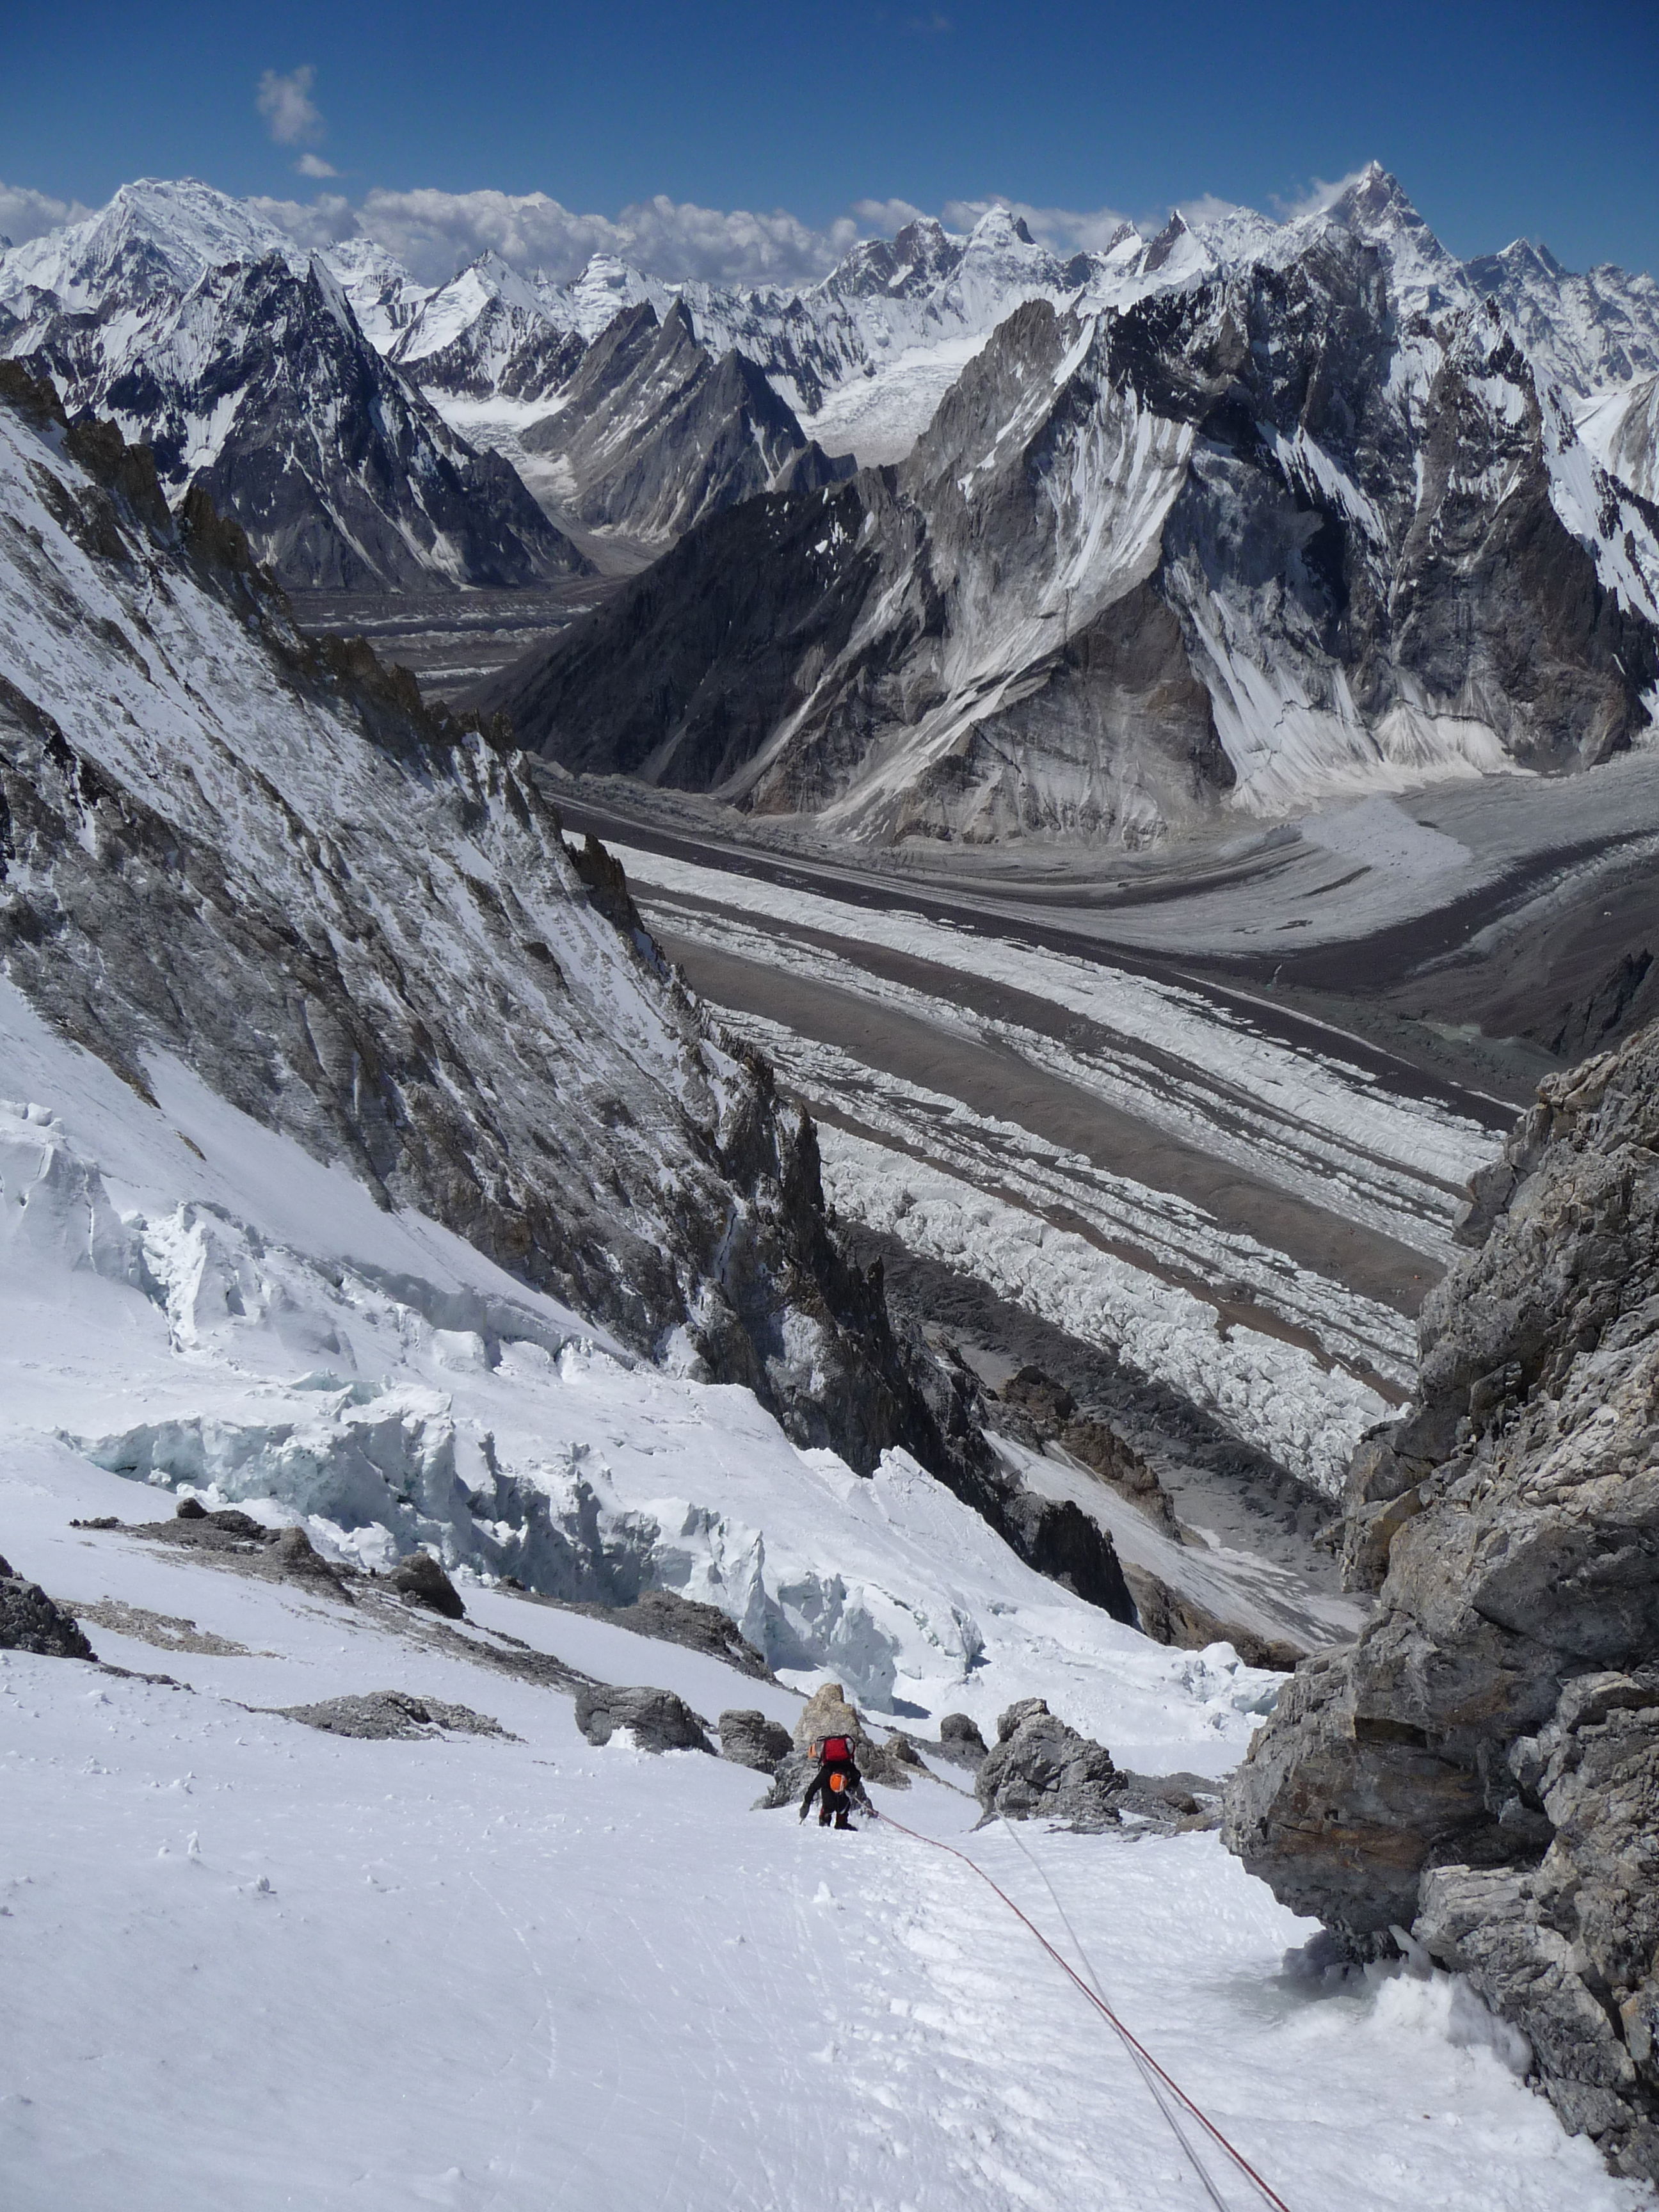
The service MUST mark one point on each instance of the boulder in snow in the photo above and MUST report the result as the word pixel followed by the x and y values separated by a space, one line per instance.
pixel 659 1721
pixel 419 1580
pixel 29 1622
pixel 1042 1768
pixel 383 1714
pixel 751 1740
pixel 960 1741
pixel 826 1712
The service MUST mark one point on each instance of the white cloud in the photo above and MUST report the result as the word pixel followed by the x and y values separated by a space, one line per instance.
pixel 317 223
pixel 291 115
pixel 435 233
pixel 883 217
pixel 28 214
pixel 1207 207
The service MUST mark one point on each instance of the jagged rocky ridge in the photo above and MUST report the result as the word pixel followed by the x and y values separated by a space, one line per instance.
pixel 359 923
pixel 1481 1769
pixel 652 433
pixel 249 376
pixel 487 332
pixel 1268 536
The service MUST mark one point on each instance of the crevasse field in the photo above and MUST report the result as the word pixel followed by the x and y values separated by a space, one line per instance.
pixel 251 1965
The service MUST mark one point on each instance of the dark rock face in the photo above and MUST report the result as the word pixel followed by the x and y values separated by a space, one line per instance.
pixel 342 474
pixel 1038 1411
pixel 715 647
pixel 686 1621
pixel 30 1621
pixel 1040 1768
pixel 788 1783
pixel 696 1626
pixel 960 1741
pixel 297 1555
pixel 421 1581
pixel 1171 1616
pixel 1133 551
pixel 1483 1762
pixel 656 434
pixel 659 1721
pixel 751 1740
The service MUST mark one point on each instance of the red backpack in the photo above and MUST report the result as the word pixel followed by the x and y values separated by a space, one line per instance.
pixel 836 1748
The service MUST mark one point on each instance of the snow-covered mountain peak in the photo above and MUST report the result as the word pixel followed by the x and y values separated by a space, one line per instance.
pixel 605 286
pixel 918 257
pixel 1376 201
pixel 156 235
pixel 1424 279
pixel 999 227
pixel 384 298
pixel 1587 333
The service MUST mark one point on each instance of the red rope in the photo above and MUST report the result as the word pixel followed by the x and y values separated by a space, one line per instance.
pixel 1101 2006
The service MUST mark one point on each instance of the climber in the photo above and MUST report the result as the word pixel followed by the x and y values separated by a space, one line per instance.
pixel 837 1784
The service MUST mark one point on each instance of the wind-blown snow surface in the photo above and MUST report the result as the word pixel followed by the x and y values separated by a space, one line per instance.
pixel 266 1965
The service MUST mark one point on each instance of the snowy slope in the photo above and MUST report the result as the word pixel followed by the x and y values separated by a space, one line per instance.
pixel 493 1974
pixel 479 1973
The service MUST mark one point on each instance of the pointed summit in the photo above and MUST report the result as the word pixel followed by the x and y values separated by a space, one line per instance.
pixel 1374 203
pixel 157 235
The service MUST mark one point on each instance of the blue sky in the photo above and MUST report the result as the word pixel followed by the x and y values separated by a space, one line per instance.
pixel 1501 121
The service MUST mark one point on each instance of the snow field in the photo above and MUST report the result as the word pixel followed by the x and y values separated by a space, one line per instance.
pixel 266 1967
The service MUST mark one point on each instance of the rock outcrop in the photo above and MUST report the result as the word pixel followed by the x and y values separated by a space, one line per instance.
pixel 751 1740
pixel 828 1711
pixel 1040 1768
pixel 1482 1767
pixel 390 1715
pixel 960 1741
pixel 656 1720
pixel 419 1580
pixel 31 1621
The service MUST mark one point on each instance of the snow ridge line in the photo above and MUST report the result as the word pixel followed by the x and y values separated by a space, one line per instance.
pixel 1143 2057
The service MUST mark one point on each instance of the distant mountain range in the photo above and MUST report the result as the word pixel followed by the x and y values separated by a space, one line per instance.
pixel 1254 515
pixel 965 539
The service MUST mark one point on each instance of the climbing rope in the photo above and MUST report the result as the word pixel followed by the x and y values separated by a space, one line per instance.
pixel 1155 2089
pixel 1154 2076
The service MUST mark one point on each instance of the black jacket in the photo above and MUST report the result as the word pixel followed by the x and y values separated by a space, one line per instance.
pixel 819 1785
